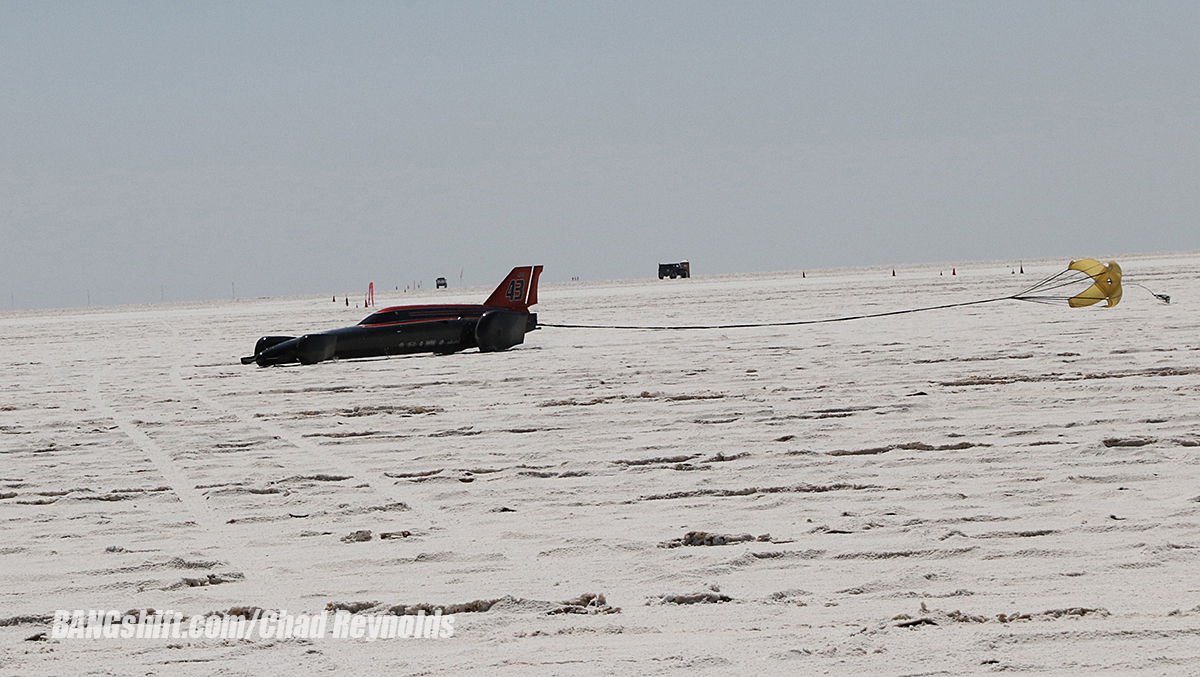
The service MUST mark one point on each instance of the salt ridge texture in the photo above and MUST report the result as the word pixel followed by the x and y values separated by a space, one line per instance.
pixel 1002 487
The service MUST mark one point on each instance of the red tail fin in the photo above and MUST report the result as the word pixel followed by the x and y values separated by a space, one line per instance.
pixel 518 291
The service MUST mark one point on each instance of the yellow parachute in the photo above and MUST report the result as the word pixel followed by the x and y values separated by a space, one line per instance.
pixel 1106 284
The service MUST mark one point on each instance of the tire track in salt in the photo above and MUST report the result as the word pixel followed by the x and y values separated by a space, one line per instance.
pixel 215 534
pixel 374 480
pixel 357 470
pixel 191 499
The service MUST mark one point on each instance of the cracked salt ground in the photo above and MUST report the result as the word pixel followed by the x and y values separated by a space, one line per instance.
pixel 772 499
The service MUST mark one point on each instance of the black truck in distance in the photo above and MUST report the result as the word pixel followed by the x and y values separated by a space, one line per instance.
pixel 674 270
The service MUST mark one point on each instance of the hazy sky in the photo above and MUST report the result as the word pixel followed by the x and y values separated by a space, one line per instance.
pixel 169 149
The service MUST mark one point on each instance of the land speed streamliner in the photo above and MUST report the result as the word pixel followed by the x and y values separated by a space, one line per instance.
pixel 499 323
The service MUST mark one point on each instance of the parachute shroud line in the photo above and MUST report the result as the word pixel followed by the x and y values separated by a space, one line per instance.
pixel 1105 278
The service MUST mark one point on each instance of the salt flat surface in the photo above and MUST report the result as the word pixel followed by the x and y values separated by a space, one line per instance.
pixel 922 478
